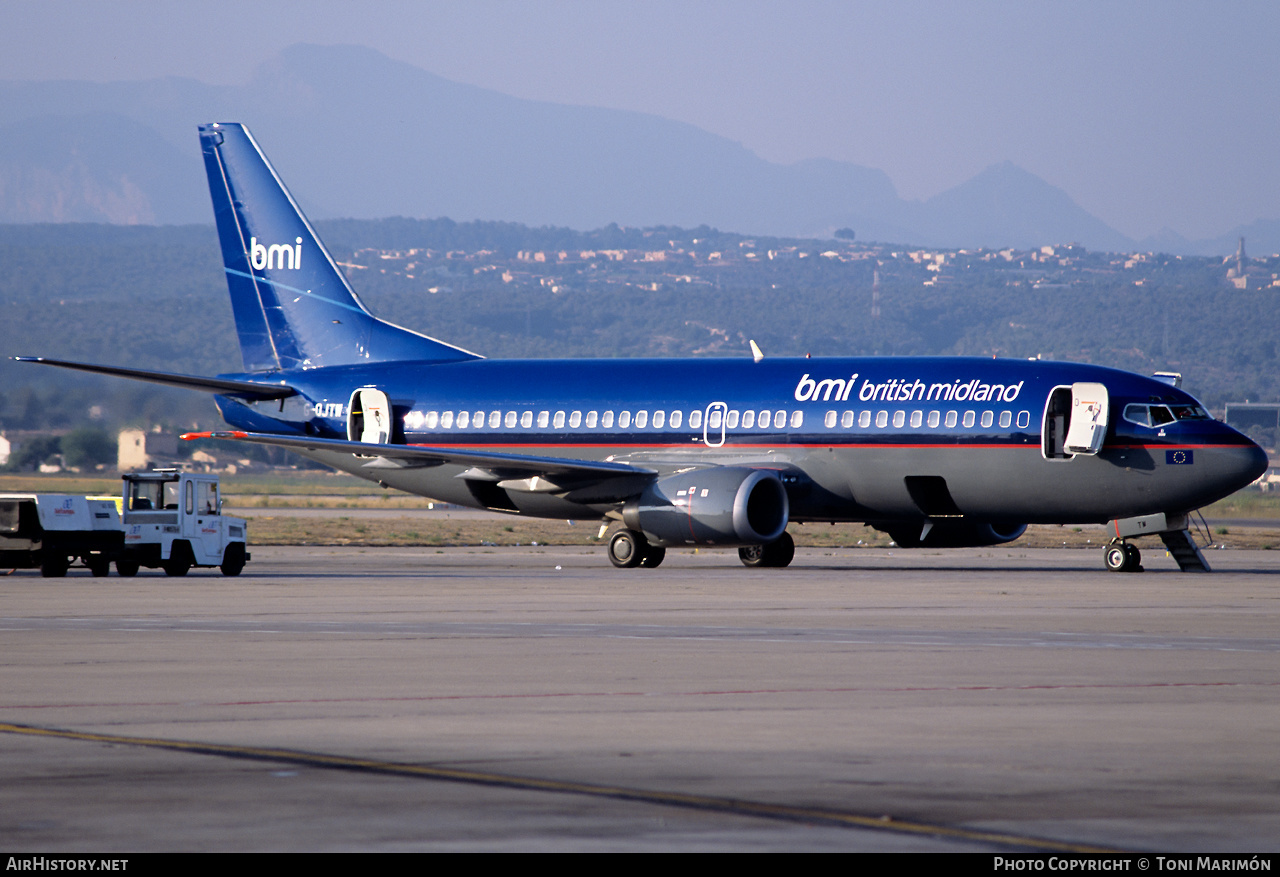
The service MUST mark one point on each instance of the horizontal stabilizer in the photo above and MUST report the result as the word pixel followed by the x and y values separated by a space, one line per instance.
pixel 223 386
pixel 492 465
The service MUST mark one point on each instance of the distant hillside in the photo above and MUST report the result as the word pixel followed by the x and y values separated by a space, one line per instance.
pixel 356 134
pixel 156 298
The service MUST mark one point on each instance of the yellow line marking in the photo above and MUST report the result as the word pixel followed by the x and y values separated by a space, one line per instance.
pixel 736 806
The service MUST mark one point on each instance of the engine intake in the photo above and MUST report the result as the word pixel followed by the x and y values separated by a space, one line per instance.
pixel 719 506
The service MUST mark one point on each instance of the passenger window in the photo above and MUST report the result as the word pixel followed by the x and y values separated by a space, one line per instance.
pixel 748 419
pixel 713 419
pixel 464 420
pixel 624 419
pixel 917 418
pixel 544 419
pixel 658 418
pixel 526 419
pixel 797 419
pixel 592 419
pixel 575 420
pixel 1006 419
pixel 951 420
pixel 510 422
pixel 764 418
pixel 934 419
pixel 864 419
pixel 988 418
pixel 695 419
pixel 446 420
pixel 780 420
pixel 433 419
pixel 731 420
pixel 557 422
pixel 606 420
pixel 846 419
pixel 899 418
pixel 830 420
pixel 495 419
pixel 882 419
pixel 676 417
pixel 969 418
pixel 642 418
pixel 1024 419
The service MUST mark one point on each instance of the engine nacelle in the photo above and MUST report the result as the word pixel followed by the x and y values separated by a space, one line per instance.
pixel 953 534
pixel 725 505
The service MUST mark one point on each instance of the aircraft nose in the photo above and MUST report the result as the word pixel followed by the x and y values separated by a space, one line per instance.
pixel 1253 462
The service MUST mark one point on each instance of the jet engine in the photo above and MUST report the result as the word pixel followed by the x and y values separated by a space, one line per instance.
pixel 953 534
pixel 726 505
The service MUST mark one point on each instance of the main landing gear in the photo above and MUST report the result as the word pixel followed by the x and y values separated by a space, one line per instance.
pixel 629 549
pixel 777 553
pixel 1123 557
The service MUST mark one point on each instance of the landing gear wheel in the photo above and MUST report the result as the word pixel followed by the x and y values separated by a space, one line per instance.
pixel 127 568
pixel 776 554
pixel 1115 557
pixel 1135 558
pixel 98 566
pixel 1123 557
pixel 627 549
pixel 653 556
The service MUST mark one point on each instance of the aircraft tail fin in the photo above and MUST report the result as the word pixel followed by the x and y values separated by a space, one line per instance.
pixel 293 308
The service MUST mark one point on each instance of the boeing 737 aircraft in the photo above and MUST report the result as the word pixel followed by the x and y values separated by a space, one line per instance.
pixel 935 451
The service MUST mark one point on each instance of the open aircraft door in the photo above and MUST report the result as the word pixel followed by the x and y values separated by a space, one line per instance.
pixel 1075 420
pixel 1089 409
pixel 369 416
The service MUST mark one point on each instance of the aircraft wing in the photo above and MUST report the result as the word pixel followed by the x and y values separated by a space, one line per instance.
pixel 223 386
pixel 513 471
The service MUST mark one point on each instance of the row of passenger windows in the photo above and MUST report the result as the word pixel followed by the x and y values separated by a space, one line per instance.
pixel 933 419
pixel 716 419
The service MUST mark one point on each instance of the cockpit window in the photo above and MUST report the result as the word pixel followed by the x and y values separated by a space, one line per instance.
pixel 1159 415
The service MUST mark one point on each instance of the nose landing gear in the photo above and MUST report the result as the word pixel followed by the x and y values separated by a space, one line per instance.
pixel 1123 557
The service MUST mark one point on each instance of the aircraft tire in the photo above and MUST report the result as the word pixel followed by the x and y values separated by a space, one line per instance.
pixel 1135 558
pixel 627 549
pixel 776 554
pixel 751 555
pixel 233 559
pixel 127 568
pixel 653 556
pixel 1116 557
pixel 781 551
pixel 98 566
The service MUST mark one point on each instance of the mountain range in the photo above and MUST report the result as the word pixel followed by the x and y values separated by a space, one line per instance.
pixel 359 135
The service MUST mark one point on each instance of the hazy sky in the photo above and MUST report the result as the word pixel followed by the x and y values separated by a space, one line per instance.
pixel 1148 113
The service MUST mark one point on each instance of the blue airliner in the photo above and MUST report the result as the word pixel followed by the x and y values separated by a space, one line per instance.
pixel 934 451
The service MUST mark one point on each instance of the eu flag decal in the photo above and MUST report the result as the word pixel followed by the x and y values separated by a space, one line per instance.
pixel 1179 458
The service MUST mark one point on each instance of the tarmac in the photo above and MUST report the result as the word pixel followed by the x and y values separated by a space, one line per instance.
pixel 536 699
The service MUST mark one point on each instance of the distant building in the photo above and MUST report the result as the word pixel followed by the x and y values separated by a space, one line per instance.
pixel 139 449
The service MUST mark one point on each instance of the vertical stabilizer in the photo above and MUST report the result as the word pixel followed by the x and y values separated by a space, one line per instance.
pixel 293 308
